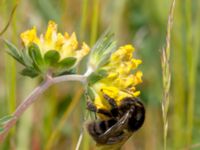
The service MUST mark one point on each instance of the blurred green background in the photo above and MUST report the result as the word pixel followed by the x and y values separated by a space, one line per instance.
pixel 57 118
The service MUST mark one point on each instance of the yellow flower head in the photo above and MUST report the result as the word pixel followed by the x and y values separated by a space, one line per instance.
pixel 121 79
pixel 66 45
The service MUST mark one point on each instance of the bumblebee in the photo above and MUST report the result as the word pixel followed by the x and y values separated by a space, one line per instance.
pixel 123 120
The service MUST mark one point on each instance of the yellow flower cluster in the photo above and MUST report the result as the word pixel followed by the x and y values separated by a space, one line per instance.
pixel 66 45
pixel 120 81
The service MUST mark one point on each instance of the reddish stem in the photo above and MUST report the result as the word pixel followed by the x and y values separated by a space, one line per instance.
pixel 25 104
pixel 33 97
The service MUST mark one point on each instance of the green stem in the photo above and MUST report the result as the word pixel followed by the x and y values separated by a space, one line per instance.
pixel 83 18
pixel 95 17
pixel 10 63
pixel 179 78
pixel 117 20
pixel 191 71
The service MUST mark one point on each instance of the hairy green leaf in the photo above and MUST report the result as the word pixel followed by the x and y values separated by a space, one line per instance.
pixel 102 50
pixel 31 72
pixel 34 53
pixel 27 61
pixel 67 63
pixel 96 76
pixel 64 71
pixel 13 51
pixel 51 57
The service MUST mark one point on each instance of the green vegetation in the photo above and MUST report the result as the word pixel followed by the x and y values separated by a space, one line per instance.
pixel 56 120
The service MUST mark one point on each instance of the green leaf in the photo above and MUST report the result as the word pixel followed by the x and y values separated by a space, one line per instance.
pixel 60 72
pixel 96 76
pixel 51 57
pixel 102 50
pixel 67 62
pixel 90 93
pixel 5 119
pixel 31 72
pixel 65 66
pixel 34 53
pixel 13 51
pixel 27 61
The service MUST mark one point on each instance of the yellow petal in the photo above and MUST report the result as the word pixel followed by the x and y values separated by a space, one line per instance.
pixel 129 48
pixel 129 81
pixel 138 77
pixel 135 63
pixel 29 36
pixel 136 94
pixel 51 32
pixel 59 41
pixel 112 75
pixel 124 53
pixel 66 35
pixel 110 91
pixel 132 89
pixel 73 41
pixel 85 49
pixel 121 96
pixel 98 103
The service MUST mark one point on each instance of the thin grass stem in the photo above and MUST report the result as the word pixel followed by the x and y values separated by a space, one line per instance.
pixel 83 18
pixel 82 132
pixel 11 64
pixel 56 131
pixel 191 67
pixel 166 70
pixel 179 80
pixel 95 17
pixel 79 140
pixel 10 18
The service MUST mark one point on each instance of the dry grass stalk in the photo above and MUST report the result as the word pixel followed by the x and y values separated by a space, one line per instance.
pixel 165 59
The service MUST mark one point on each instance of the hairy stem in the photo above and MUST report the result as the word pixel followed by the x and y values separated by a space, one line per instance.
pixel 49 80
pixel 63 78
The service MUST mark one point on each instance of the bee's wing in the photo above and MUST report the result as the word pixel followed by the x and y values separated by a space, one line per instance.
pixel 119 126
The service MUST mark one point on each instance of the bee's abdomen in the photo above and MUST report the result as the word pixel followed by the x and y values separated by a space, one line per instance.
pixel 97 128
pixel 137 117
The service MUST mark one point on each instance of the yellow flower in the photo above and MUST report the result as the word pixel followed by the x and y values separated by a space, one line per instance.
pixel 66 45
pixel 121 81
pixel 30 36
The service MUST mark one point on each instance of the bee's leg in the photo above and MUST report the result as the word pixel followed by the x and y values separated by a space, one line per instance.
pixel 104 112
pixel 113 104
pixel 91 106
pixel 110 100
